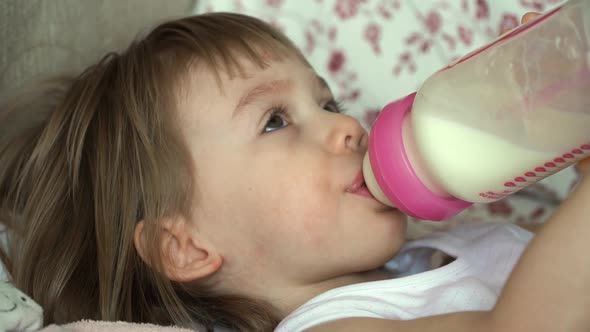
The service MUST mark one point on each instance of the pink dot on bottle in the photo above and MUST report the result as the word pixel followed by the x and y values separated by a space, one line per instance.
pixel 520 179
pixel 530 174
pixel 559 160
pixel 568 155
pixel 577 151
pixel 549 165
pixel 510 184
pixel 585 147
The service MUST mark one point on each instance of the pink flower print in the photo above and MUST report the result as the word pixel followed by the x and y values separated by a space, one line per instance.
pixel 535 5
pixel 277 25
pixel 347 8
pixel 373 36
pixel 314 33
pixel 274 3
pixel 500 208
pixel 332 33
pixel 433 22
pixel 413 38
pixel 309 42
pixel 454 58
pixel 405 61
pixel 537 213
pixel 384 11
pixel 336 61
pixel 351 96
pixel 317 25
pixel 424 44
pixel 509 21
pixel 239 6
pixel 395 4
pixel 464 6
pixel 483 10
pixel 466 35
pixel 450 41
pixel 386 8
pixel 371 116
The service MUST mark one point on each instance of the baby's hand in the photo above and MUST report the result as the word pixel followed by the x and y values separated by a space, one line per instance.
pixel 525 19
pixel 583 167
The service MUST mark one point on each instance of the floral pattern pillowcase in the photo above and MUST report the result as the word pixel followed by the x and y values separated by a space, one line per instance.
pixel 372 52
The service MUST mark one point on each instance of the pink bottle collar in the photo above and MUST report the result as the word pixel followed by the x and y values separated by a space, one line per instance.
pixel 394 173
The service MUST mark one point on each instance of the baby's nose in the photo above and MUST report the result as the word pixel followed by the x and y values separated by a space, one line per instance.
pixel 345 134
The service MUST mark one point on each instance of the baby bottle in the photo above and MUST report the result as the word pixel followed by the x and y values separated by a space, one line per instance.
pixel 493 122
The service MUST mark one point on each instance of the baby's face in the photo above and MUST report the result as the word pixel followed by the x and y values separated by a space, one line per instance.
pixel 274 160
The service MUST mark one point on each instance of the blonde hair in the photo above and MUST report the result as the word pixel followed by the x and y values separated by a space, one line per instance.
pixel 101 152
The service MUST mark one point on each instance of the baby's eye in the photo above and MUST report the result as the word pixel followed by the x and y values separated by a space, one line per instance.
pixel 276 120
pixel 334 106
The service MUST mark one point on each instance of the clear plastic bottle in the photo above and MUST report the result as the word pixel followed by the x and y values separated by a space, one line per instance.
pixel 495 121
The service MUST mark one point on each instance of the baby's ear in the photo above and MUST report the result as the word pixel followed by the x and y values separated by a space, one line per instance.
pixel 185 254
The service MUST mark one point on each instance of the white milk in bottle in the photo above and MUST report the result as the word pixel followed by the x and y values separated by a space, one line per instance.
pixel 494 122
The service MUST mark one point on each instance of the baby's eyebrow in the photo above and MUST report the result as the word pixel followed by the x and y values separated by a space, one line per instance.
pixel 323 83
pixel 261 90
pixel 270 87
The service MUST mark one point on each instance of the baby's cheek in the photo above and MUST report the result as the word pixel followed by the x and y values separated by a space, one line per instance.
pixel 300 217
pixel 318 209
pixel 318 223
pixel 302 201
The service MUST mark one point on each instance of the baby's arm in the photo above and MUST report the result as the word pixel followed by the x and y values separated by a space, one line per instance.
pixel 552 281
pixel 549 289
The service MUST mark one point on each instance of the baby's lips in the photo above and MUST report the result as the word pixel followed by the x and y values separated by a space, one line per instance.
pixel 357 183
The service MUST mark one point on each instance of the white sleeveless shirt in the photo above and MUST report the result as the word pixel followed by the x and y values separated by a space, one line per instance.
pixel 485 255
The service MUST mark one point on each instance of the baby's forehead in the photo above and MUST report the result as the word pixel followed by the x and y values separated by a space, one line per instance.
pixel 209 90
pixel 228 81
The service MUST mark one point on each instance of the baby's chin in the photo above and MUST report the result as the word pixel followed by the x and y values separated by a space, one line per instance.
pixel 392 233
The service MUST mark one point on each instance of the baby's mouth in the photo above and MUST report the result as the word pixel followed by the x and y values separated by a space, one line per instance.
pixel 358 187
